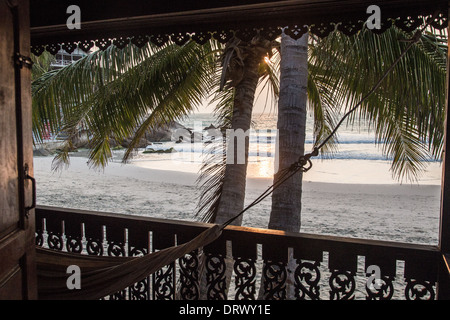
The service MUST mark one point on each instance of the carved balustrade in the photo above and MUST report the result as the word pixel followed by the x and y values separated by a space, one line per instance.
pixel 247 263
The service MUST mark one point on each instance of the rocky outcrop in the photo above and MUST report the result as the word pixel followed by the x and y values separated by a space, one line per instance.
pixel 164 133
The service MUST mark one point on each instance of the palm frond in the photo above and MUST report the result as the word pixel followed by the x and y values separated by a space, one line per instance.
pixel 269 82
pixel 111 93
pixel 324 108
pixel 212 171
pixel 412 96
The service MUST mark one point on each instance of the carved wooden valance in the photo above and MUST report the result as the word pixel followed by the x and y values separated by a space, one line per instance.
pixel 113 22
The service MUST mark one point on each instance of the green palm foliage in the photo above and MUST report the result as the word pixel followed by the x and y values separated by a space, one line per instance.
pixel 407 111
pixel 119 93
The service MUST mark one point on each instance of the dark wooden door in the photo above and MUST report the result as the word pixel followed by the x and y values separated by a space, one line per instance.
pixel 17 250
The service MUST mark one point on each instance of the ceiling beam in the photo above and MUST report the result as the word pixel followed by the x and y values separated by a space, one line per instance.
pixel 107 18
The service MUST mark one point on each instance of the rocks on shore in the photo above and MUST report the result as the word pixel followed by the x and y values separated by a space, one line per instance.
pixel 169 132
pixel 164 133
pixel 151 150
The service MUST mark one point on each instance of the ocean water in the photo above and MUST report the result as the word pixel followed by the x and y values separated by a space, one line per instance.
pixel 355 142
pixel 358 196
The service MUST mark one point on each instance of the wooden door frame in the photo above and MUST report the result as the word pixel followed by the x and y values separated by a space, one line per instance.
pixel 18 243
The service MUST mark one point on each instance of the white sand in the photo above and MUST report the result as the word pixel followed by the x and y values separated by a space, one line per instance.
pixel 365 203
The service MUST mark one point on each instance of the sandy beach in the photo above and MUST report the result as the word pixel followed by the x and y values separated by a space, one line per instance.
pixel 381 209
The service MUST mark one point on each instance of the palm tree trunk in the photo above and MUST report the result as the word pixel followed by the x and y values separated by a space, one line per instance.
pixel 233 192
pixel 233 188
pixel 286 200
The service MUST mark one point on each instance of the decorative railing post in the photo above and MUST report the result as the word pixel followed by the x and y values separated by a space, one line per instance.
pixel 274 273
pixel 54 229
pixel 115 240
pixel 307 275
pixel 307 278
pixel 40 227
pixel 421 278
pixel 189 276
pixel 215 268
pixel 164 280
pixel 274 280
pixel 324 267
pixel 189 268
pixel 245 278
pixel 343 265
pixel 73 233
pixel 94 238
pixel 380 286
pixel 244 256
pixel 138 245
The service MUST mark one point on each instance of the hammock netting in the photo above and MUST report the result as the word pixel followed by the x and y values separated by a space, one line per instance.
pixel 101 275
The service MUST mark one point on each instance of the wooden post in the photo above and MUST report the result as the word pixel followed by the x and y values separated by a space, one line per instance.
pixel 17 231
pixel 444 230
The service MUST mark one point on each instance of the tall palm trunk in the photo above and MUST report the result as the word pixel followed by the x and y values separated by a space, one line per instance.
pixel 232 196
pixel 286 200
pixel 233 190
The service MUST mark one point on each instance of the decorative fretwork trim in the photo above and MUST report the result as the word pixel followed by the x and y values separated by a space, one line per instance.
pixel 140 39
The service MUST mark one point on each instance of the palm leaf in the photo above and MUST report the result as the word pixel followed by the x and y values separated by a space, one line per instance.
pixel 111 93
pixel 407 110
pixel 212 171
